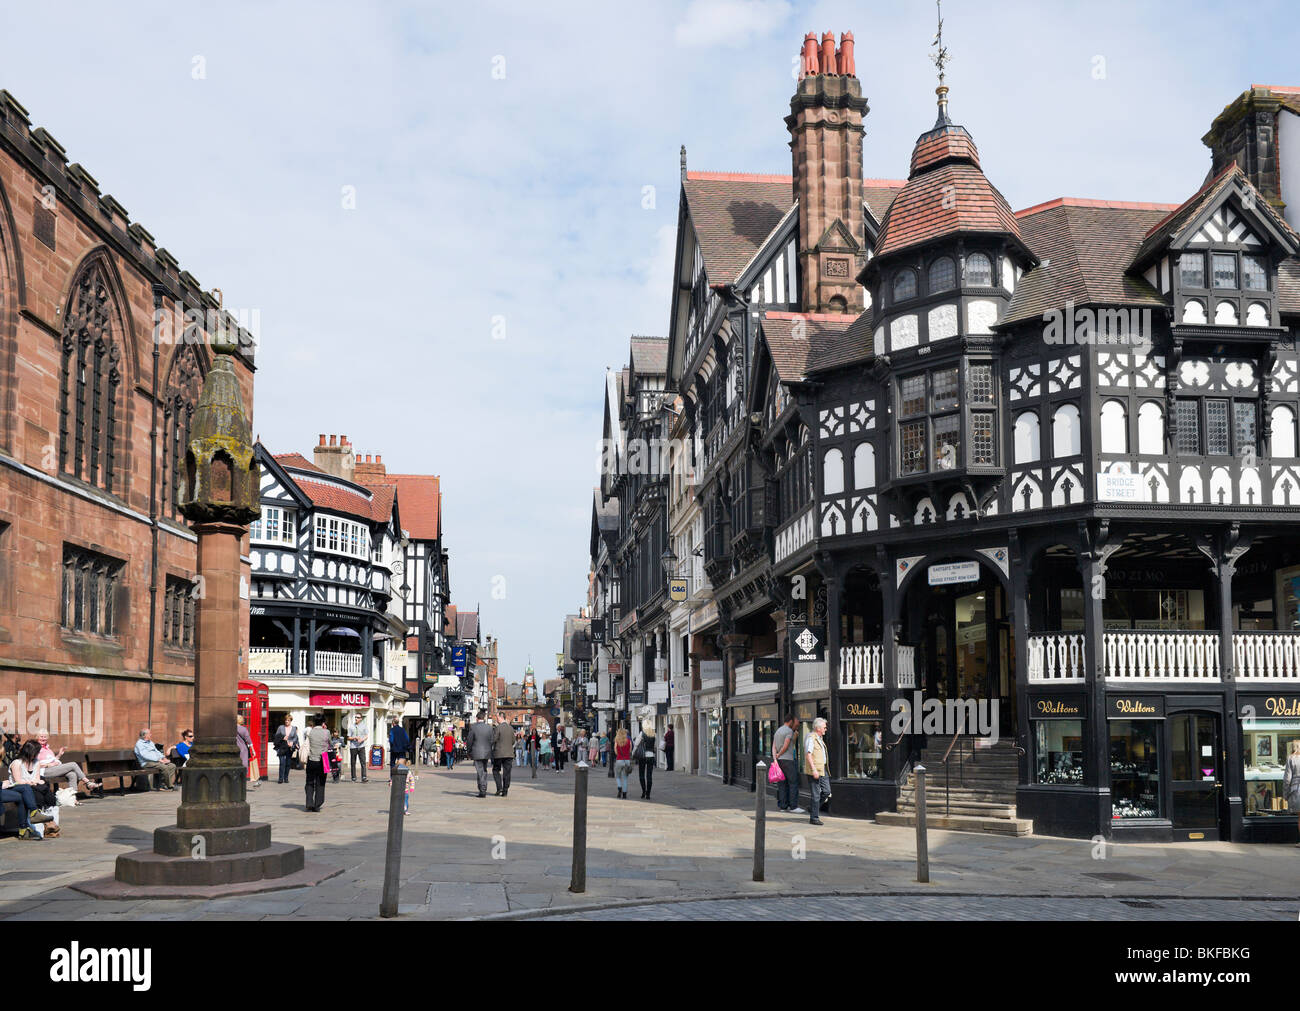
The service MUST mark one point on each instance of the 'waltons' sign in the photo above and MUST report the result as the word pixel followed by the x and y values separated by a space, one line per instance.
pixel 863 709
pixel 1135 707
pixel 1269 707
pixel 1056 707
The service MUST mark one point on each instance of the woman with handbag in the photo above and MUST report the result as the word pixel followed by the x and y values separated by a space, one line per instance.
pixel 245 742
pixel 622 761
pixel 286 746
pixel 1291 781
pixel 644 750
pixel 315 748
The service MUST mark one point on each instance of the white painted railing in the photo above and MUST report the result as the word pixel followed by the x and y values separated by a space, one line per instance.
pixel 1162 656
pixel 1266 655
pixel 862 666
pixel 275 660
pixel 906 666
pixel 1056 657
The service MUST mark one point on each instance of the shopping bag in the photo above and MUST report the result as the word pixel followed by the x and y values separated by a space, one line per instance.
pixel 325 762
pixel 774 773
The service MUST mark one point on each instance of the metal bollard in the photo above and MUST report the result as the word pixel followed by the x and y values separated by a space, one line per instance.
pixel 922 843
pixel 760 820
pixel 393 853
pixel 578 879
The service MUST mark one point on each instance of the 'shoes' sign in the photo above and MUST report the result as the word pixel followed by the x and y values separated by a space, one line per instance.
pixel 808 644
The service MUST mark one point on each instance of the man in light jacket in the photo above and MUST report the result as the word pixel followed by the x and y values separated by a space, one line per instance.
pixel 818 768
pixel 479 741
pixel 358 735
pixel 503 754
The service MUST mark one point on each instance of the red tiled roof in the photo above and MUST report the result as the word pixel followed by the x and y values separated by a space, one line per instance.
pixel 879 194
pixel 1116 205
pixel 951 198
pixel 467 625
pixel 336 498
pixel 942 145
pixel 650 355
pixel 733 214
pixel 419 497
pixel 381 505
pixel 802 343
pixel 297 461
pixel 449 620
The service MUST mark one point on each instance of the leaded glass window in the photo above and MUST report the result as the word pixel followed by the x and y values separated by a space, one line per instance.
pixel 1254 274
pixel 1246 421
pixel 979 384
pixel 912 399
pixel 913 440
pixel 904 285
pixel 1191 270
pixel 981 440
pixel 979 271
pixel 944 397
pixel 947 442
pixel 943 274
pixel 1225 270
pixel 1216 428
pixel 1189 428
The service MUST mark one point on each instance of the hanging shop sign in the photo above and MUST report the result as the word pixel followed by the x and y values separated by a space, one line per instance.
pixel 951 573
pixel 808 645
pixel 1056 707
pixel 677 589
pixel 458 658
pixel 863 709
pixel 768 670
pixel 1135 707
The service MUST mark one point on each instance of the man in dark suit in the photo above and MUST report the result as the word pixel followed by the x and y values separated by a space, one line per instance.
pixel 503 754
pixel 479 743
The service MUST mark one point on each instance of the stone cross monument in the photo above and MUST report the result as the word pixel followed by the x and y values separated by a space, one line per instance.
pixel 214 849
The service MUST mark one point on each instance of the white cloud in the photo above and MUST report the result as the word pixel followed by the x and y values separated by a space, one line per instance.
pixel 730 23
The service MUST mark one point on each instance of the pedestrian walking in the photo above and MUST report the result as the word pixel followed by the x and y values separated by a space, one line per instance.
pixel 604 748
pixel 545 754
pixel 480 742
pixel 409 789
pixel 336 755
pixel 669 744
pixel 1291 781
pixel 622 761
pixel 246 749
pixel 398 745
pixel 286 746
pixel 520 747
pixel 562 753
pixel 644 752
pixel 785 752
pixel 449 748
pixel 503 750
pixel 358 737
pixel 817 767
pixel 426 748
pixel 593 750
pixel 313 750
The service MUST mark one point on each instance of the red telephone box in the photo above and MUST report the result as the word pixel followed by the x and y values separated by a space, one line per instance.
pixel 253 705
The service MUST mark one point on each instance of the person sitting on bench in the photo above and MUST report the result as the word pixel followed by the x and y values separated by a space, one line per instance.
pixel 53 767
pixel 25 780
pixel 153 760
pixel 22 799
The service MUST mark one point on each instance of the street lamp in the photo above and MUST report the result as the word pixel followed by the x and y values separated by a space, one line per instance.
pixel 668 560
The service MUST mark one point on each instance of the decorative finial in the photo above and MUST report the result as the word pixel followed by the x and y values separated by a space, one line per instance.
pixel 941 60
pixel 683 163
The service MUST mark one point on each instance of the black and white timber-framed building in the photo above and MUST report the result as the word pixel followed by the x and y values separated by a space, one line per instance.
pixel 1045 459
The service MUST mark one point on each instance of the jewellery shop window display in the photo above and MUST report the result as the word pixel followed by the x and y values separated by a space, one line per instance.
pixel 862 730
pixel 1058 739
pixel 1268 727
pixel 1135 724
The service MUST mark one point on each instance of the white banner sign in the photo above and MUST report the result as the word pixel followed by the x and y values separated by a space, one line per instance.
pixel 656 691
pixel 954 572
pixel 1118 487
pixel 679 691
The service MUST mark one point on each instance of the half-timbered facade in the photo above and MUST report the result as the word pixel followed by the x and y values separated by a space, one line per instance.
pixel 1038 467
pixel 325 634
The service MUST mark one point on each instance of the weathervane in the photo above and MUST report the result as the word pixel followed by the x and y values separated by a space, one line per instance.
pixel 940 60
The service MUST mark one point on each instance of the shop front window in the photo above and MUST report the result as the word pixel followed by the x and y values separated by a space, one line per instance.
pixel 1058 752
pixel 740 735
pixel 764 728
pixel 1265 745
pixel 713 738
pixel 862 743
pixel 1134 769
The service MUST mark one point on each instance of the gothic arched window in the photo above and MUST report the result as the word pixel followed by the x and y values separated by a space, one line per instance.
pixel 943 274
pixel 904 285
pixel 89 378
pixel 979 271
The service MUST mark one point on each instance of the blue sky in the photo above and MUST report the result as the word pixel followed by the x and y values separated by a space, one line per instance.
pixel 499 154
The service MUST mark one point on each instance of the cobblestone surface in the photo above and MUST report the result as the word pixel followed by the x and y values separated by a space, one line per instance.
pixel 469 857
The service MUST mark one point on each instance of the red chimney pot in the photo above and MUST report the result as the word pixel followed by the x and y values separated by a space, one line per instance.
pixel 333 440
pixel 829 66
pixel 847 66
pixel 322 440
pixel 810 66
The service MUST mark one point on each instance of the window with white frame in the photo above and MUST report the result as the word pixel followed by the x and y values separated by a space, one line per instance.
pixel 276 525
pixel 344 537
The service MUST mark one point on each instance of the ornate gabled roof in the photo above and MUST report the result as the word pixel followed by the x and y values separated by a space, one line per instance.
pixel 650 355
pixel 1172 225
pixel 946 193
pixel 1084 248
pixel 733 214
pixel 804 343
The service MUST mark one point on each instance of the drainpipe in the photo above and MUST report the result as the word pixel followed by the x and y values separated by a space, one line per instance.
pixel 158 292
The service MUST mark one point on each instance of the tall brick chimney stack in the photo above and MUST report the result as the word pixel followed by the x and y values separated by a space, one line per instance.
pixel 826 131
pixel 1247 132
pixel 370 469
pixel 336 458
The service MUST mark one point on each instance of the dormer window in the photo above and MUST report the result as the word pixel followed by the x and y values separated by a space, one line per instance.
pixel 943 274
pixel 904 285
pixel 979 271
pixel 1225 270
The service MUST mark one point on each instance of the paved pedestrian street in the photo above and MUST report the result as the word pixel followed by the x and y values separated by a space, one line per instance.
pixel 466 857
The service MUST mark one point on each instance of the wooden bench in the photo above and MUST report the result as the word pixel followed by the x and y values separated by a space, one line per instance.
pixel 118 764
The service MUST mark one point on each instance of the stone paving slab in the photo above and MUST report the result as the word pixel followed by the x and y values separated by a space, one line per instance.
pixel 466 857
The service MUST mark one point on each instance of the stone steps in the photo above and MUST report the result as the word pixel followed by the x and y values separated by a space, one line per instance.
pixel 961 823
pixel 982 797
